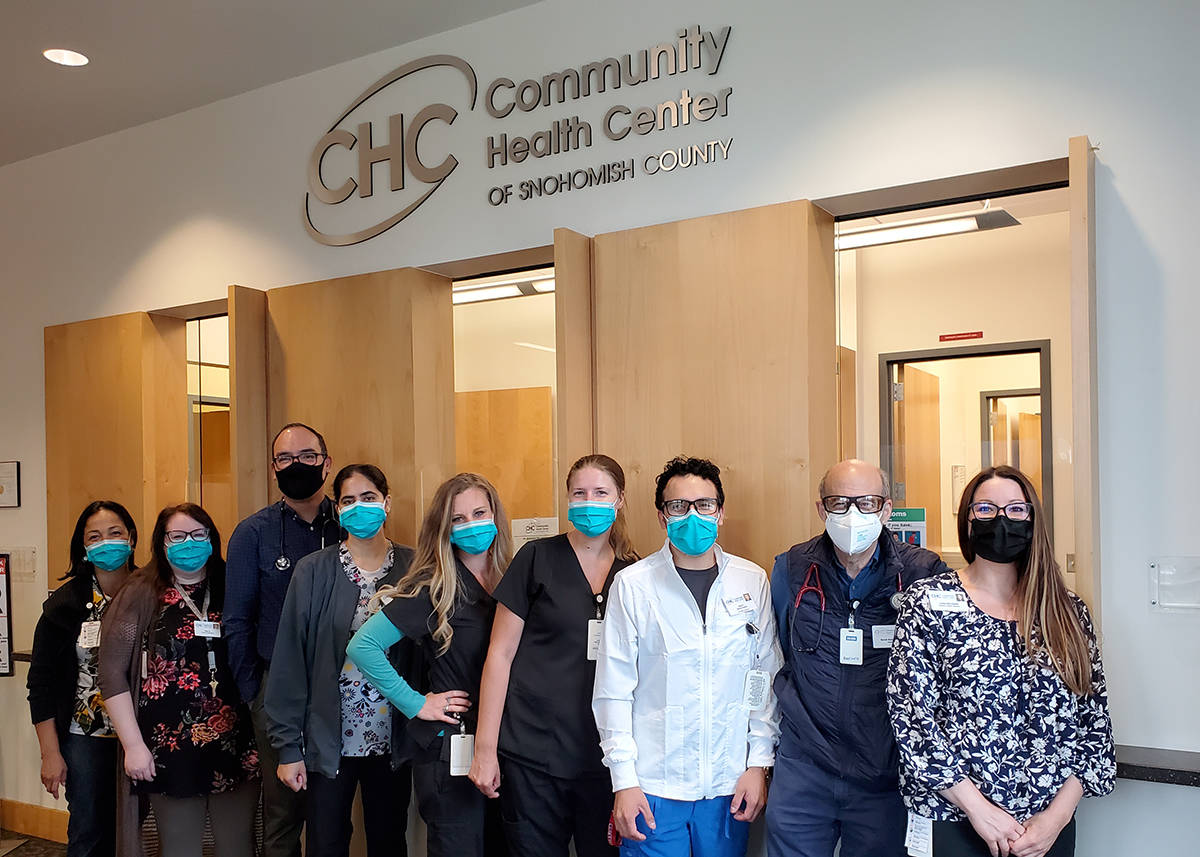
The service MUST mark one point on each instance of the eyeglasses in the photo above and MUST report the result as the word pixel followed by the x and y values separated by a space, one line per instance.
pixel 678 508
pixel 868 504
pixel 177 537
pixel 985 511
pixel 285 459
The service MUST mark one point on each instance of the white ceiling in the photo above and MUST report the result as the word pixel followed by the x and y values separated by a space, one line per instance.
pixel 154 58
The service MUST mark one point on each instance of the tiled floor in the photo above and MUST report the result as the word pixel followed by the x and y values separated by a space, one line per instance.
pixel 19 845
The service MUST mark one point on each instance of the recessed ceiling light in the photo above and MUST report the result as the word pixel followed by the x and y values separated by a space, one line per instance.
pixel 65 57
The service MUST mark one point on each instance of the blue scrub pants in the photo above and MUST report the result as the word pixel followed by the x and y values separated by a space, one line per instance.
pixel 809 810
pixel 700 828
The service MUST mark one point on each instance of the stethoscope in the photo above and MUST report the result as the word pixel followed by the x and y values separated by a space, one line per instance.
pixel 814 574
pixel 283 563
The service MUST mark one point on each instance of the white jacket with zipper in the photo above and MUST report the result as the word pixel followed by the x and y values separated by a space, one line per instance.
pixel 669 689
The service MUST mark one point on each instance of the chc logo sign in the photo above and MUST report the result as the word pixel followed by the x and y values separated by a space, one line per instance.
pixel 357 149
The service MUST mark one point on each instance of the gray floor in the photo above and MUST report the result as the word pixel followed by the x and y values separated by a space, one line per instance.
pixel 19 845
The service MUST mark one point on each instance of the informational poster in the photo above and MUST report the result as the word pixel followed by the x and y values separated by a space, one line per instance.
pixel 6 662
pixel 909 526
pixel 527 529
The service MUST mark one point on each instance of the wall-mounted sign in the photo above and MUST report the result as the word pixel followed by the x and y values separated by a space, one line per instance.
pixel 10 484
pixel 6 661
pixel 909 526
pixel 955 337
pixel 385 124
pixel 527 529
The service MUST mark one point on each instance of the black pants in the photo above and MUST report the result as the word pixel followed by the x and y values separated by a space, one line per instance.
pixel 959 839
pixel 542 813
pixel 385 796
pixel 461 821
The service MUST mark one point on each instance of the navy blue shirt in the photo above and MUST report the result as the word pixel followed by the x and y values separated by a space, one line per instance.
pixel 255 586
pixel 862 584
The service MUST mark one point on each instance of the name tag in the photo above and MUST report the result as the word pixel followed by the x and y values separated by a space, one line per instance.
pixel 207 629
pixel 882 636
pixel 593 643
pixel 758 685
pixel 89 635
pixel 740 605
pixel 462 754
pixel 945 601
pixel 852 646
pixel 918 838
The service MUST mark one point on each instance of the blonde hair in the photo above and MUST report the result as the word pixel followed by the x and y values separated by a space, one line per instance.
pixel 434 566
pixel 1047 619
pixel 618 534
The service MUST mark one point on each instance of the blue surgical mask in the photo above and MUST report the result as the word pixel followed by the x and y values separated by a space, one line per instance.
pixel 110 554
pixel 591 519
pixel 362 520
pixel 189 555
pixel 693 534
pixel 473 538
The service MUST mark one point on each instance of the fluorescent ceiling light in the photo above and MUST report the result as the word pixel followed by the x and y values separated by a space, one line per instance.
pixel 543 286
pixel 514 284
pixel 65 57
pixel 489 293
pixel 535 346
pixel 894 233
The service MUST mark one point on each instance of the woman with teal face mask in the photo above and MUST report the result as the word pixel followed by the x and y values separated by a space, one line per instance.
pixel 164 672
pixel 335 732
pixel 78 744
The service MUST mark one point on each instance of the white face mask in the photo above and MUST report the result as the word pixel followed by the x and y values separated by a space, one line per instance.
pixel 853 532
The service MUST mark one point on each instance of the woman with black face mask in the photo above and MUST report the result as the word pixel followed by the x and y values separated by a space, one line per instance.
pixel 996 690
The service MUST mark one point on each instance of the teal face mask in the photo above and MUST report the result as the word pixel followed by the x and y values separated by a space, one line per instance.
pixel 110 554
pixel 591 519
pixel 473 538
pixel 189 555
pixel 693 534
pixel 362 520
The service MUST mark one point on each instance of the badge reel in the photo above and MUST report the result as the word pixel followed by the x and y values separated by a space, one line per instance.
pixel 593 632
pixel 462 751
pixel 851 644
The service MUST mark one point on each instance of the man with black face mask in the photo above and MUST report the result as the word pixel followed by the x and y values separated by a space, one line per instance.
pixel 262 554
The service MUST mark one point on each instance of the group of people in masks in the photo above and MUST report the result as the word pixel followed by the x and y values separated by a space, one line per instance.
pixel 572 693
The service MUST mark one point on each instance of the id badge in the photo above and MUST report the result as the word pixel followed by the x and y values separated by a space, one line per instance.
pixel 882 636
pixel 852 646
pixel 758 685
pixel 946 601
pixel 740 605
pixel 918 838
pixel 207 629
pixel 89 635
pixel 593 643
pixel 462 754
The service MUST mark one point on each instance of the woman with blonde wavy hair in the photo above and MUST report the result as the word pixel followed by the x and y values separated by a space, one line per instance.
pixel 444 605
pixel 996 687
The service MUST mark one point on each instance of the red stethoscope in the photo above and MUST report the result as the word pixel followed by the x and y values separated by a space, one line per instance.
pixel 814 574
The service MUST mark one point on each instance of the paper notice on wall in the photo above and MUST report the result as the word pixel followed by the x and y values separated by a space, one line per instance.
pixel 6 664
pixel 527 529
pixel 909 526
pixel 22 563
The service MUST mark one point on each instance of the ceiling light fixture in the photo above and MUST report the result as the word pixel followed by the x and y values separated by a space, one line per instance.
pixel 65 57
pixel 488 293
pixel 953 224
pixel 535 346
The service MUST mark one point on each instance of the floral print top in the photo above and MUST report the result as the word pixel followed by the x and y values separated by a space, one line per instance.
pixel 967 701
pixel 201 740
pixel 89 717
pixel 366 714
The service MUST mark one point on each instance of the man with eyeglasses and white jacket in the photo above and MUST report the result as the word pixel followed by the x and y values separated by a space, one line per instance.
pixel 683 699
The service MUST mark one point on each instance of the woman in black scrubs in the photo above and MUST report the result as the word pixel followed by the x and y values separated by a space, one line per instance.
pixel 539 674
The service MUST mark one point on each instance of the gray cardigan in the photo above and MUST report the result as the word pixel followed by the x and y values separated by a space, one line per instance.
pixel 302 701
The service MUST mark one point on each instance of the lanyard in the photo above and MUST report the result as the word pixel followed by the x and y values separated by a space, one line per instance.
pixel 203 617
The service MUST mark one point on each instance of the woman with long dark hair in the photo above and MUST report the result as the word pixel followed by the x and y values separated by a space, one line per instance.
pixel 996 688
pixel 78 744
pixel 168 688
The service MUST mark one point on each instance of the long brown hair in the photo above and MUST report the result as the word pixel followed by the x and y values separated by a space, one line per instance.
pixel 434 565
pixel 618 534
pixel 1047 619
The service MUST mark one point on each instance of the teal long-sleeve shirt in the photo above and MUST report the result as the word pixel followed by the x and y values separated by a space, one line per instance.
pixel 368 651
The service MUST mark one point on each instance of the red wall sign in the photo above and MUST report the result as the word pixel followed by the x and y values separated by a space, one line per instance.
pixel 955 337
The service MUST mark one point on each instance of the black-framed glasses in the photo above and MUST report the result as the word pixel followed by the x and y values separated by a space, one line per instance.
pixel 868 504
pixel 705 506
pixel 986 511
pixel 286 459
pixel 178 537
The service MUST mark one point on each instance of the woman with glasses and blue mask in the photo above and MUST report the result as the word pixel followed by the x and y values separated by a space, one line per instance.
pixel 539 672
pixel 445 605
pixel 333 729
pixel 169 691
pixel 996 687
pixel 78 744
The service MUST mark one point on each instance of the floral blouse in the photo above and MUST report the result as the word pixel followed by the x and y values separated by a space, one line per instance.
pixel 967 701
pixel 89 717
pixel 366 714
pixel 201 740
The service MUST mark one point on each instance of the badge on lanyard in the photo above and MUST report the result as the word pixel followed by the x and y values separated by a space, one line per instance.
pixel 593 639
pixel 462 751
pixel 946 601
pixel 852 646
pixel 918 838
pixel 207 629
pixel 89 635
pixel 882 636
pixel 758 685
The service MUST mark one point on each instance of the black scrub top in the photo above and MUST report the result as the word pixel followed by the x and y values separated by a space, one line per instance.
pixel 548 723
pixel 460 668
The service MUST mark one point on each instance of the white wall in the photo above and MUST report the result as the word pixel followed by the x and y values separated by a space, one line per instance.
pixel 486 353
pixel 828 99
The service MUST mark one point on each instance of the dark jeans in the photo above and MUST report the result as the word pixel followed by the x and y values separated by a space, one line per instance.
pixel 385 796
pixel 461 821
pixel 959 839
pixel 91 795
pixel 543 813
pixel 283 809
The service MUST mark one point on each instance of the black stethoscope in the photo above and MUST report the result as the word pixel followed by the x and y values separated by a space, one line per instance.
pixel 283 563
pixel 814 574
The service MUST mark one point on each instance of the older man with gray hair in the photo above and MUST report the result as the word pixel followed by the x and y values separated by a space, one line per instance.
pixel 835 599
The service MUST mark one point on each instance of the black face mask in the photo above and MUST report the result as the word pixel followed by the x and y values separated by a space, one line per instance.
pixel 1001 540
pixel 300 481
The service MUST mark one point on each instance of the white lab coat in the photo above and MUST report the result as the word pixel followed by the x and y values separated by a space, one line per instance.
pixel 669 689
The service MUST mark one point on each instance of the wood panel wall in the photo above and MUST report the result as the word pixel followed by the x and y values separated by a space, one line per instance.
pixel 715 337
pixel 574 350
pixel 507 436
pixel 249 435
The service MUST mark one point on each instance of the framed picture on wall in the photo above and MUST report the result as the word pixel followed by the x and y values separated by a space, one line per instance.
pixel 6 661
pixel 10 484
